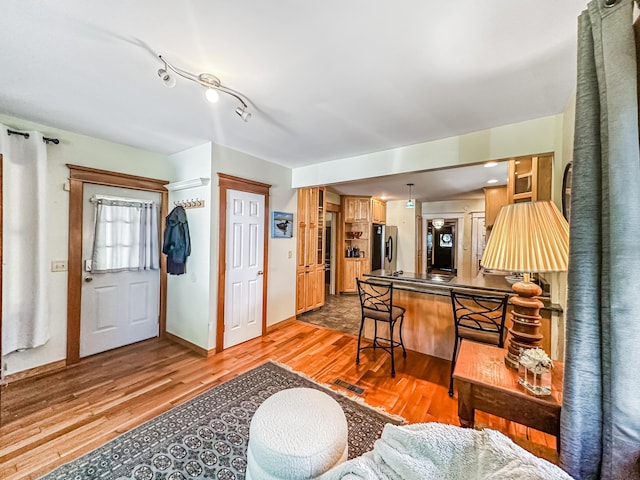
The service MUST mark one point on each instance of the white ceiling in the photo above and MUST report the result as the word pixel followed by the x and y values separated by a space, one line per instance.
pixel 325 80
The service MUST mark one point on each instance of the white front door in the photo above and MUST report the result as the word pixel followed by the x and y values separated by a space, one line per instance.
pixel 244 267
pixel 116 308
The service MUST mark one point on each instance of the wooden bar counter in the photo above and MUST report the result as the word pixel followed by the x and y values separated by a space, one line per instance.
pixel 428 325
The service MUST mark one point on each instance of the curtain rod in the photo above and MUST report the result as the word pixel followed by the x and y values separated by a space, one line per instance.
pixel 47 140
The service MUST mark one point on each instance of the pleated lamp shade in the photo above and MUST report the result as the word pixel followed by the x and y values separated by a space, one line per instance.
pixel 528 237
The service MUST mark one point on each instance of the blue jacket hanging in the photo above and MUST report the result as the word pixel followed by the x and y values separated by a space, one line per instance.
pixel 177 243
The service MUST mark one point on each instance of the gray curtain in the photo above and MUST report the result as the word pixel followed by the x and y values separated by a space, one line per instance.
pixel 600 431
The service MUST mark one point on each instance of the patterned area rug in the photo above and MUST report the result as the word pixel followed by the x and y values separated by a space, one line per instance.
pixel 207 436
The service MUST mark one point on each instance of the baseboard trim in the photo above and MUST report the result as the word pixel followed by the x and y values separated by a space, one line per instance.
pixel 191 346
pixel 281 324
pixel 36 371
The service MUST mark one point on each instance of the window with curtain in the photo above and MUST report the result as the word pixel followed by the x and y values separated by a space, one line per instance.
pixel 126 235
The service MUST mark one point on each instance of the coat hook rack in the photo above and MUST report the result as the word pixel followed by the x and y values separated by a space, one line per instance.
pixel 193 203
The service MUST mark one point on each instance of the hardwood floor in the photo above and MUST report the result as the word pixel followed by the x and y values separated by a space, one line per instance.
pixel 52 419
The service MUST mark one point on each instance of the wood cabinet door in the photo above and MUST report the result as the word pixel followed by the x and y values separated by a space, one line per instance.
pixel 362 210
pixel 363 267
pixel 301 288
pixel 494 199
pixel 378 211
pixel 318 286
pixel 350 207
pixel 303 223
pixel 350 273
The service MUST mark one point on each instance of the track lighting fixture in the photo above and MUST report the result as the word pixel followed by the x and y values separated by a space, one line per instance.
pixel 212 84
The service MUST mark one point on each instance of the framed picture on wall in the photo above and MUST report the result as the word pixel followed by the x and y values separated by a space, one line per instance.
pixel 282 225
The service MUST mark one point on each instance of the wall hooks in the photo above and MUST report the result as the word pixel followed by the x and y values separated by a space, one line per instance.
pixel 193 203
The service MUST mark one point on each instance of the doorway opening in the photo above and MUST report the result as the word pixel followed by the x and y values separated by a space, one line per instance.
pixel 443 252
pixel 442 249
pixel 331 227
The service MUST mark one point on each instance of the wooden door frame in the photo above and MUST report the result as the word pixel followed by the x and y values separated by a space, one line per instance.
pixel 78 176
pixel 229 182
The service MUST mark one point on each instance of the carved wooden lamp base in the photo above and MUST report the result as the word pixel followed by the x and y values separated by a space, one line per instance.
pixel 526 320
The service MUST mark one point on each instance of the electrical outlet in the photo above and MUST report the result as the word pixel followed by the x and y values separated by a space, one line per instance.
pixel 59 266
pixel 290 254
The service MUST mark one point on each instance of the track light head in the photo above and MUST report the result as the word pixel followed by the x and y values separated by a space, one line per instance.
pixel 167 80
pixel 212 95
pixel 243 114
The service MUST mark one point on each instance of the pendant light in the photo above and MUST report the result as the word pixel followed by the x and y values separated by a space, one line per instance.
pixel 410 203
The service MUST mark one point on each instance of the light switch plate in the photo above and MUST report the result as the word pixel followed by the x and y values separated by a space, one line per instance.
pixel 59 266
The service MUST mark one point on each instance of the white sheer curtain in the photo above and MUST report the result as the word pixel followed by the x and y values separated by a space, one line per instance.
pixel 25 309
pixel 126 235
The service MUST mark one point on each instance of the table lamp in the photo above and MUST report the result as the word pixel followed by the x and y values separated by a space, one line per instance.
pixel 529 237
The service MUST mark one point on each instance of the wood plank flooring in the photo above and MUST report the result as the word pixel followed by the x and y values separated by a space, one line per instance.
pixel 52 419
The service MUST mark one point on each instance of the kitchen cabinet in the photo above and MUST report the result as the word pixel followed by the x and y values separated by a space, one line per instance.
pixel 529 178
pixel 378 211
pixel 356 209
pixel 494 199
pixel 357 213
pixel 310 249
pixel 353 268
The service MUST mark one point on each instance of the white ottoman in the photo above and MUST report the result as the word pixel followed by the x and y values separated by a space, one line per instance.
pixel 296 434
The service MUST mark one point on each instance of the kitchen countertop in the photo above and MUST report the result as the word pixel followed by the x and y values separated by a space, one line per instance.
pixel 438 284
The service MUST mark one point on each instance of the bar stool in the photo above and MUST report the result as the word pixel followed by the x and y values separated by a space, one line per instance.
pixel 479 318
pixel 376 303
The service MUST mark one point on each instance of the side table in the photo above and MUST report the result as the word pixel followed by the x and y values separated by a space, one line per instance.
pixel 484 382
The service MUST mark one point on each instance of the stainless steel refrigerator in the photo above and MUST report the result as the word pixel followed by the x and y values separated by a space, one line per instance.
pixel 384 247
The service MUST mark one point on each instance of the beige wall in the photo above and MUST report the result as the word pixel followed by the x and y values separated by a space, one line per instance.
pixel 405 219
pixel 78 150
pixel 188 295
pixel 281 289
pixel 532 136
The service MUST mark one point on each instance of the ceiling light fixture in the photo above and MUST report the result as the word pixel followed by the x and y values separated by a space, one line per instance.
pixel 492 180
pixel 437 223
pixel 212 84
pixel 490 164
pixel 410 203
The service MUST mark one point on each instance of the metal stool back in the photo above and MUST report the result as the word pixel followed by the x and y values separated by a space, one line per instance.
pixel 479 318
pixel 376 303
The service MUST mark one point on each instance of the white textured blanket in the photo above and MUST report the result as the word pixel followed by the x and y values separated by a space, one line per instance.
pixel 428 451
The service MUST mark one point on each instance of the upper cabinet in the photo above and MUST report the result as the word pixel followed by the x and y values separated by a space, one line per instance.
pixel 378 211
pixel 529 178
pixel 494 199
pixel 356 209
